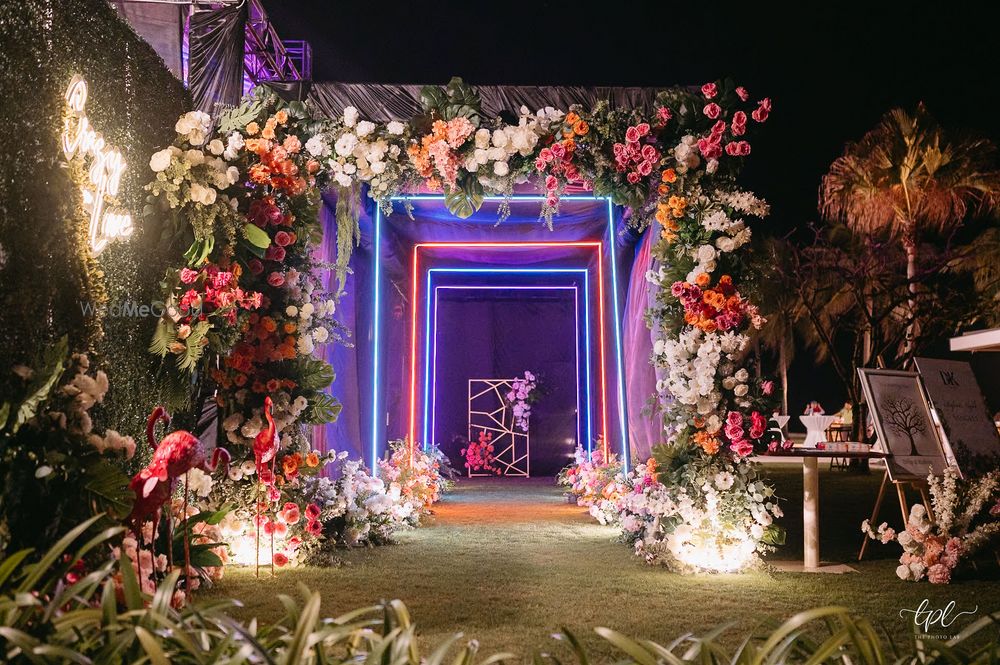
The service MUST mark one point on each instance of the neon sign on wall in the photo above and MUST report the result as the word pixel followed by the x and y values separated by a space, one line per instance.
pixel 104 175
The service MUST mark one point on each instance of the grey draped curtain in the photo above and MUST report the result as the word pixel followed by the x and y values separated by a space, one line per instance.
pixel 216 39
pixel 377 101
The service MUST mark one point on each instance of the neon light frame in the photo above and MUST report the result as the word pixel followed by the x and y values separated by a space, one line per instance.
pixel 430 356
pixel 376 326
pixel 593 244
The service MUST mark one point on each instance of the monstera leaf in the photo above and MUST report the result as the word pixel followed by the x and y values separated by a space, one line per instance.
pixel 314 374
pixel 466 198
pixel 456 100
pixel 323 409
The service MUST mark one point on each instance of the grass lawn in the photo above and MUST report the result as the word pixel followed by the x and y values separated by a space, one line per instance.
pixel 508 562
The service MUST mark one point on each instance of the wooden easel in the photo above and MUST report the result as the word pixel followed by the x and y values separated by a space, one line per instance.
pixel 915 483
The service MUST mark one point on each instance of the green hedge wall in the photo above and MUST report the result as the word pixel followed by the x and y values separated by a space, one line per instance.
pixel 46 271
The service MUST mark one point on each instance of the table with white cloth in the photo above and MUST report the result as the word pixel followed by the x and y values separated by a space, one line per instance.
pixel 815 429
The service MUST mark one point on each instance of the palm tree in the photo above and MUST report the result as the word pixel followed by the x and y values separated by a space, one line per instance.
pixel 782 306
pixel 907 177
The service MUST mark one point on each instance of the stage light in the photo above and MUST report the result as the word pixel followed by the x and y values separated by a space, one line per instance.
pixel 430 351
pixel 622 413
pixel 376 333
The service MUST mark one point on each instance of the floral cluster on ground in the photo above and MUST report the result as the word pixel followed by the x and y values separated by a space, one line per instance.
pixel 966 518
pixel 479 455
pixel 718 518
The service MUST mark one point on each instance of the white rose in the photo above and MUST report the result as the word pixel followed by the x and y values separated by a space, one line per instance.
pixel 345 144
pixel 194 157
pixel 705 253
pixel 216 147
pixel 742 374
pixel 903 572
pixel 740 390
pixel 305 345
pixel 365 128
pixel 377 167
pixel 317 147
pixel 501 168
pixel 343 179
pixel 395 128
pixel 232 174
pixel 350 116
pixel 725 244
pixel 500 138
pixel 483 138
pixel 160 160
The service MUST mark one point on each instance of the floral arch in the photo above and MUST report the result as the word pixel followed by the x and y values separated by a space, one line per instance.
pixel 250 303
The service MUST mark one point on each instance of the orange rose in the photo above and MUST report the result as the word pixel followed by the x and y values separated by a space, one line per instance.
pixel 290 466
pixel 669 175
pixel 253 128
pixel 289 327
pixel 281 116
pixel 580 127
pixel 572 118
pixel 312 460
pixel 702 279
pixel 268 324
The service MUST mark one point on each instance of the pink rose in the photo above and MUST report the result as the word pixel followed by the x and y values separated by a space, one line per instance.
pixel 718 128
pixel 558 150
pixel 712 110
pixel 540 164
pixel 632 177
pixel 732 149
pixel 664 114
pixel 734 417
pixel 643 128
pixel 551 184
pixel 256 267
pixel 275 279
pixel 744 148
pixel 290 513
pixel 742 93
pixel 545 155
pixel 280 560
pixel 767 387
pixel 275 253
pixel 314 528
pixel 709 90
pixel 632 135
pixel 649 153
pixel 552 200
pixel 283 238
pixel 739 123
pixel 644 168
pixel 763 110
pixel 756 432
pixel 742 448
pixel 572 173
pixel 709 149
pixel 734 432
pixel 188 276
pixel 280 529
pixel 312 511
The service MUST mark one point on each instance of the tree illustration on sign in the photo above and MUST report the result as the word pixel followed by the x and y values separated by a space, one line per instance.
pixel 903 417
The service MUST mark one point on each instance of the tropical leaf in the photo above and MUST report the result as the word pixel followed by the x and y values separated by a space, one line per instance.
pixel 164 335
pixel 256 236
pixel 323 409
pixel 53 363
pixel 194 346
pixel 314 374
pixel 108 486
pixel 466 198
pixel 250 109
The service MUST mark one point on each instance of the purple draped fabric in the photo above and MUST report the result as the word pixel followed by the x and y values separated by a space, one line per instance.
pixel 644 430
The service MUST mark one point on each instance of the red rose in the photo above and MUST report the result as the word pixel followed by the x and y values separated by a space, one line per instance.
pixel 275 279
pixel 709 90
pixel 280 559
pixel 312 511
pixel 763 110
pixel 718 128
pixel 712 110
pixel 739 123
pixel 632 177
pixel 314 528
pixel 256 267
pixel 733 149
pixel 275 253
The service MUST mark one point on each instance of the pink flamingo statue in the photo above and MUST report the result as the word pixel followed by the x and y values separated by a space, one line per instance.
pixel 265 449
pixel 175 455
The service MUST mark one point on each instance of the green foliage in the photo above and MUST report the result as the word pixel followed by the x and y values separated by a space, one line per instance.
pixel 456 100
pixel 323 408
pixel 49 284
pixel 102 616
pixel 465 199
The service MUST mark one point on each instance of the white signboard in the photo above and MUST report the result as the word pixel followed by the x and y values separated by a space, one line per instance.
pixel 959 403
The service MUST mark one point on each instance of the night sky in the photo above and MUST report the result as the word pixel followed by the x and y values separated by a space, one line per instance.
pixel 831 71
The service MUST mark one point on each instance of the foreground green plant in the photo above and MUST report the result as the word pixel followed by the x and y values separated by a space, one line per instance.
pixel 50 615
